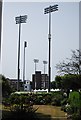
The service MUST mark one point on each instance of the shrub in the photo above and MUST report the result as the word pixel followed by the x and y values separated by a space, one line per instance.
pixel 75 105
pixel 64 102
pixel 56 99
pixel 76 116
pixel 20 108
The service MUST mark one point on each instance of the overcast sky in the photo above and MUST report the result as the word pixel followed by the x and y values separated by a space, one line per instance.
pixel 65 36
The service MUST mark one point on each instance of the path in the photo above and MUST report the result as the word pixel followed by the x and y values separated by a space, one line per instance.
pixel 50 112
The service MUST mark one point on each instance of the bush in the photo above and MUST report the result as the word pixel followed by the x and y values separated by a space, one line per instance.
pixel 76 116
pixel 75 105
pixel 47 99
pixel 56 99
pixel 64 102
pixel 20 108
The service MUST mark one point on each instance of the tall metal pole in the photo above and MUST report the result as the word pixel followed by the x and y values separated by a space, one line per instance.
pixel 19 57
pixel 49 38
pixel 24 64
pixel 44 69
pixel 35 65
pixel 19 20
pixel 25 45
pixel 44 62
pixel 49 10
pixel 35 75
pixel 35 61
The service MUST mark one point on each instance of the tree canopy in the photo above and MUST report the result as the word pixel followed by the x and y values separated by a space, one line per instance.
pixel 69 76
pixel 6 89
pixel 71 81
pixel 67 81
pixel 72 65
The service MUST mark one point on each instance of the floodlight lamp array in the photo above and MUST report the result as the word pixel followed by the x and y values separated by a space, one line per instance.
pixel 36 60
pixel 21 19
pixel 51 9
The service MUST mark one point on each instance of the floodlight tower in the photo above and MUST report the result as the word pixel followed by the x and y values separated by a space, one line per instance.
pixel 25 45
pixel 35 61
pixel 46 11
pixel 19 20
pixel 44 62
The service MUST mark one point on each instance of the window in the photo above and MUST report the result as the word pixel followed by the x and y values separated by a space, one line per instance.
pixel 25 86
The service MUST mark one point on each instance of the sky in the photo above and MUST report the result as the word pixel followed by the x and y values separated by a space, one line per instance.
pixel 64 36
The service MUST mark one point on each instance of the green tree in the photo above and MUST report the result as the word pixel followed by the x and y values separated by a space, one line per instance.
pixel 72 65
pixel 75 105
pixel 53 85
pixel 58 82
pixel 6 89
pixel 71 82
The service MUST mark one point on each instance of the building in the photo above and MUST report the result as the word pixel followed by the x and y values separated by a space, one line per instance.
pixel 39 81
pixel 13 84
pixel 44 81
pixel 22 86
pixel 27 86
pixel 36 80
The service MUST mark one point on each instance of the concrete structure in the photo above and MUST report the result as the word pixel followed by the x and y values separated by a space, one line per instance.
pixel 27 86
pixel 36 80
pixel 44 81
pixel 13 84
pixel 22 87
pixel 41 81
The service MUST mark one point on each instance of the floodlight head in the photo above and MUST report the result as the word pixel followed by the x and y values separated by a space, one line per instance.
pixel 36 60
pixel 21 19
pixel 51 9
pixel 25 43
pixel 44 62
